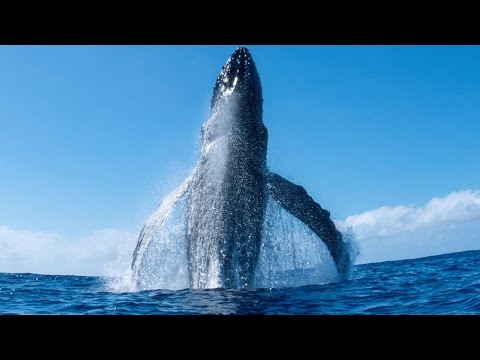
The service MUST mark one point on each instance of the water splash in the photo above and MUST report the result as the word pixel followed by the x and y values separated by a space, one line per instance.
pixel 162 258
pixel 164 264
pixel 351 245
pixel 118 274
pixel 291 254
pixel 205 199
pixel 158 229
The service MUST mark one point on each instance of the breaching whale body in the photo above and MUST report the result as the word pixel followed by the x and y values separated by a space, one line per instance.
pixel 221 210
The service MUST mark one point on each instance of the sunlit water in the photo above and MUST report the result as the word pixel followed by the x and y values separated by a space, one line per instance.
pixel 446 284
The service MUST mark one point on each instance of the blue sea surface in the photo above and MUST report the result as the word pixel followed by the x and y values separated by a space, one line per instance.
pixel 445 284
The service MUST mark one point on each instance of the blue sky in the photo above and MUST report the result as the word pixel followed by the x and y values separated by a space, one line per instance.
pixel 91 137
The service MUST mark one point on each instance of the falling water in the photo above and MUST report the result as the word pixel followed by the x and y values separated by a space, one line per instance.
pixel 162 254
pixel 290 254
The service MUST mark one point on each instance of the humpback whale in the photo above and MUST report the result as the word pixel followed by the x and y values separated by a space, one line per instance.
pixel 226 195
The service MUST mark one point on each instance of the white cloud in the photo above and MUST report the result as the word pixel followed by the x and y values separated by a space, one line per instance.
pixel 51 253
pixel 445 224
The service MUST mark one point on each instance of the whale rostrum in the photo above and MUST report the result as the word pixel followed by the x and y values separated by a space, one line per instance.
pixel 226 196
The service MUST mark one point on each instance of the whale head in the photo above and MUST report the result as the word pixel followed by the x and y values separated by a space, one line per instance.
pixel 236 109
pixel 239 75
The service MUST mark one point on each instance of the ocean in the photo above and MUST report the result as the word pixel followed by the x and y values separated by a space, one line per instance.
pixel 445 284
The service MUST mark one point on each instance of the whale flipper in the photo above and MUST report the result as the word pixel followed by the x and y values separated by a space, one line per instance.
pixel 294 199
pixel 153 226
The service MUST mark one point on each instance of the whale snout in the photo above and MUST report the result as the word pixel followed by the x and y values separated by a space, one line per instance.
pixel 239 72
pixel 241 65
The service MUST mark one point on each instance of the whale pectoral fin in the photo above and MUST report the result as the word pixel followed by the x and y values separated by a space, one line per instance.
pixel 155 221
pixel 294 199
